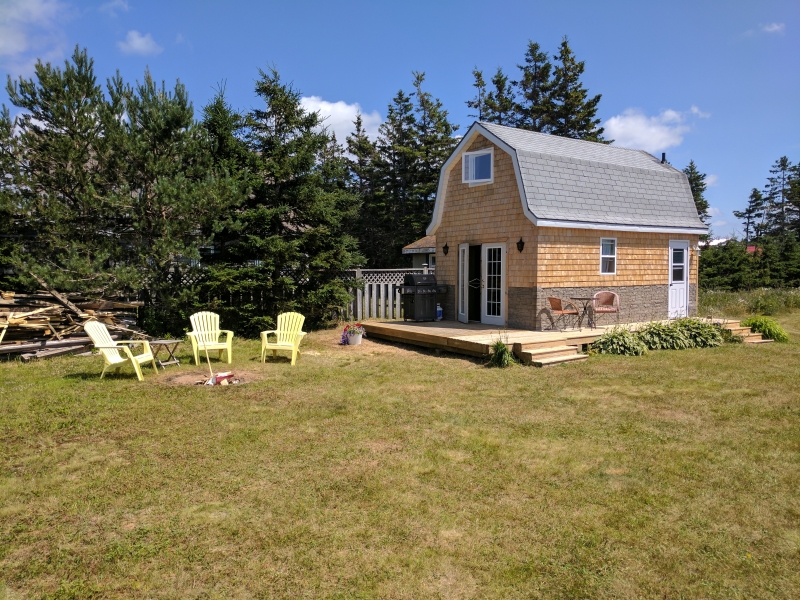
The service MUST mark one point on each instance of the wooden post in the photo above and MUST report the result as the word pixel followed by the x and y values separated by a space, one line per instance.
pixel 372 306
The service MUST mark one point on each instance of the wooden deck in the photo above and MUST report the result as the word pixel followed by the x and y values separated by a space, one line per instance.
pixel 475 339
pixel 540 348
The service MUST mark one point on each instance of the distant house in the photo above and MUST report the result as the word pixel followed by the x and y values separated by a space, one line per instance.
pixel 423 252
pixel 521 216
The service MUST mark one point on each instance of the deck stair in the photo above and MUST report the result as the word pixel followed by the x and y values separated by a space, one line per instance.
pixel 547 354
pixel 750 337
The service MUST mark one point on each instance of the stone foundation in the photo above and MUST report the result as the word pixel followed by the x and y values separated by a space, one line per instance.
pixel 448 302
pixel 638 303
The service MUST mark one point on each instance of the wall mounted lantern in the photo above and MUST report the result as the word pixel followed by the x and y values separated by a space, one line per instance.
pixel 520 245
pixel 446 249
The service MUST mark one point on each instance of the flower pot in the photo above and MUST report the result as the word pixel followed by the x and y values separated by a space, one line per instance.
pixel 354 339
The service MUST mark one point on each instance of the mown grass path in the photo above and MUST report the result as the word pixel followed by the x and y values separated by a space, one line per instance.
pixel 387 472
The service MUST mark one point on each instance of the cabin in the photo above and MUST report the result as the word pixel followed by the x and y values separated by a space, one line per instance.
pixel 521 216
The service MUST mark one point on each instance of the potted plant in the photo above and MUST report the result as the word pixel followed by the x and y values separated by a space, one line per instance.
pixel 352 334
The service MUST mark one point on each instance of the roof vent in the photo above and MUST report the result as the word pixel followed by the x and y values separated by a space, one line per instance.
pixel 663 157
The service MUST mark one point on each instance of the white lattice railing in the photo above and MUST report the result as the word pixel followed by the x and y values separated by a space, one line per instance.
pixel 380 298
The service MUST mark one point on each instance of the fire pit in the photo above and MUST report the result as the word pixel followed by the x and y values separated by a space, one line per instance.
pixel 198 377
pixel 220 379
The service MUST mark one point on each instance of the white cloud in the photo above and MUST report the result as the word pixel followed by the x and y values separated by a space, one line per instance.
pixel 113 7
pixel 699 113
pixel 714 212
pixel 136 43
pixel 30 29
pixel 634 129
pixel 339 116
pixel 774 28
pixel 719 223
pixel 712 180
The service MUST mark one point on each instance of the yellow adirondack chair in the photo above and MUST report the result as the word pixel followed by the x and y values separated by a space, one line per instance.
pixel 205 335
pixel 288 336
pixel 110 350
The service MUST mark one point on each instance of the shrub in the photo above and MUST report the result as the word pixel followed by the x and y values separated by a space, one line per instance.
pixel 663 336
pixel 619 341
pixel 501 356
pixel 767 327
pixel 756 302
pixel 699 333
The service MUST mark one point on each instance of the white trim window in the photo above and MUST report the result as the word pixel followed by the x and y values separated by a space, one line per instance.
pixel 477 168
pixel 608 256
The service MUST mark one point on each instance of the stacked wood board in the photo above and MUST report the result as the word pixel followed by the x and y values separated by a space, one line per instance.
pixel 48 323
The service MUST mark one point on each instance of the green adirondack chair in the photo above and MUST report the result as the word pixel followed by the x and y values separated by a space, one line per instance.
pixel 117 353
pixel 287 336
pixel 205 335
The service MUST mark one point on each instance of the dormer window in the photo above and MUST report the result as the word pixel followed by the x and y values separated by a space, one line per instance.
pixel 477 167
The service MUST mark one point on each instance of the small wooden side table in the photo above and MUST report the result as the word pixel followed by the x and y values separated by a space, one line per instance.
pixel 170 346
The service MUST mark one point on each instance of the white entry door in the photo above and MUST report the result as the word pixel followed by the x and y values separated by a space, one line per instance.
pixel 678 279
pixel 463 283
pixel 493 284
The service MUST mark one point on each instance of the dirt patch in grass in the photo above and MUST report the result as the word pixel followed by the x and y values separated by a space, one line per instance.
pixel 192 377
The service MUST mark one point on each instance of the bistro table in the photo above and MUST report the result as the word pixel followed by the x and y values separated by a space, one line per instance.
pixel 588 311
pixel 170 346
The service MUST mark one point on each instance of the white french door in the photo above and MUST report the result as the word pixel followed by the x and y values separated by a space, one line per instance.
pixel 678 279
pixel 463 283
pixel 493 284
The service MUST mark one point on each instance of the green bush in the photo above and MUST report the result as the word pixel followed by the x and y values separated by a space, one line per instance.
pixel 501 356
pixel 663 336
pixel 619 341
pixel 699 333
pixel 767 327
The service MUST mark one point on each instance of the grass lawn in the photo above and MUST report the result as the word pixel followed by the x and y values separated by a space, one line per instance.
pixel 384 471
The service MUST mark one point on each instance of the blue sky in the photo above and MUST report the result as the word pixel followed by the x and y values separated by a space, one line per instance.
pixel 717 82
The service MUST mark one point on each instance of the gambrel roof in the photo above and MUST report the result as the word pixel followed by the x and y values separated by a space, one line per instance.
pixel 586 185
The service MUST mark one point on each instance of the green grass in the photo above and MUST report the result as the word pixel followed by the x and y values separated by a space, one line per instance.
pixel 744 303
pixel 379 471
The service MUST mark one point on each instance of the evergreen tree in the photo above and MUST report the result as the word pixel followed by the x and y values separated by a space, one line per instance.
pixel 478 103
pixel 535 109
pixel 573 114
pixel 752 216
pixel 371 228
pixel 293 239
pixel 64 178
pixel 10 216
pixel 697 183
pixel 499 105
pixel 779 210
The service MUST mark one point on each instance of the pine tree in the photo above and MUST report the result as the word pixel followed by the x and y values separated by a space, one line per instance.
pixel 293 239
pixel 779 210
pixel 697 183
pixel 63 176
pixel 10 217
pixel 573 113
pixel 752 216
pixel 478 103
pixel 534 111
pixel 499 104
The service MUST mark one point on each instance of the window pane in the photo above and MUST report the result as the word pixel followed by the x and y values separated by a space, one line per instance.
pixel 608 247
pixel 677 274
pixel 608 264
pixel 483 166
pixel 677 256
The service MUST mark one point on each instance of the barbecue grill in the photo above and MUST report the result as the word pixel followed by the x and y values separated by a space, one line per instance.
pixel 418 294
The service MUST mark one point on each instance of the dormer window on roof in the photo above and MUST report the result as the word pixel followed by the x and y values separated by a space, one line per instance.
pixel 477 167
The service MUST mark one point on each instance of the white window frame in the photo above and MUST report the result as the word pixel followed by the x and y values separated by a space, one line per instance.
pixel 432 265
pixel 615 256
pixel 466 157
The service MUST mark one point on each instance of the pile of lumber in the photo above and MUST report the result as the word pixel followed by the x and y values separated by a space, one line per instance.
pixel 47 323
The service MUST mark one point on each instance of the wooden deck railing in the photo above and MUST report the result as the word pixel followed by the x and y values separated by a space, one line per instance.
pixel 380 296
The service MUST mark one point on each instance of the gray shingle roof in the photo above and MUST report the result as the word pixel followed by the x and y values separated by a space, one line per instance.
pixel 588 182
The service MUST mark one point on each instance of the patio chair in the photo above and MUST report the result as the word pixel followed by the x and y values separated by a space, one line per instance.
pixel 563 310
pixel 205 336
pixel 605 303
pixel 288 336
pixel 116 354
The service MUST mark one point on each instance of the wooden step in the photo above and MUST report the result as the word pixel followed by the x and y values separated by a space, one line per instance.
pixel 529 356
pixel 739 330
pixel 557 360
pixel 758 341
pixel 520 347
